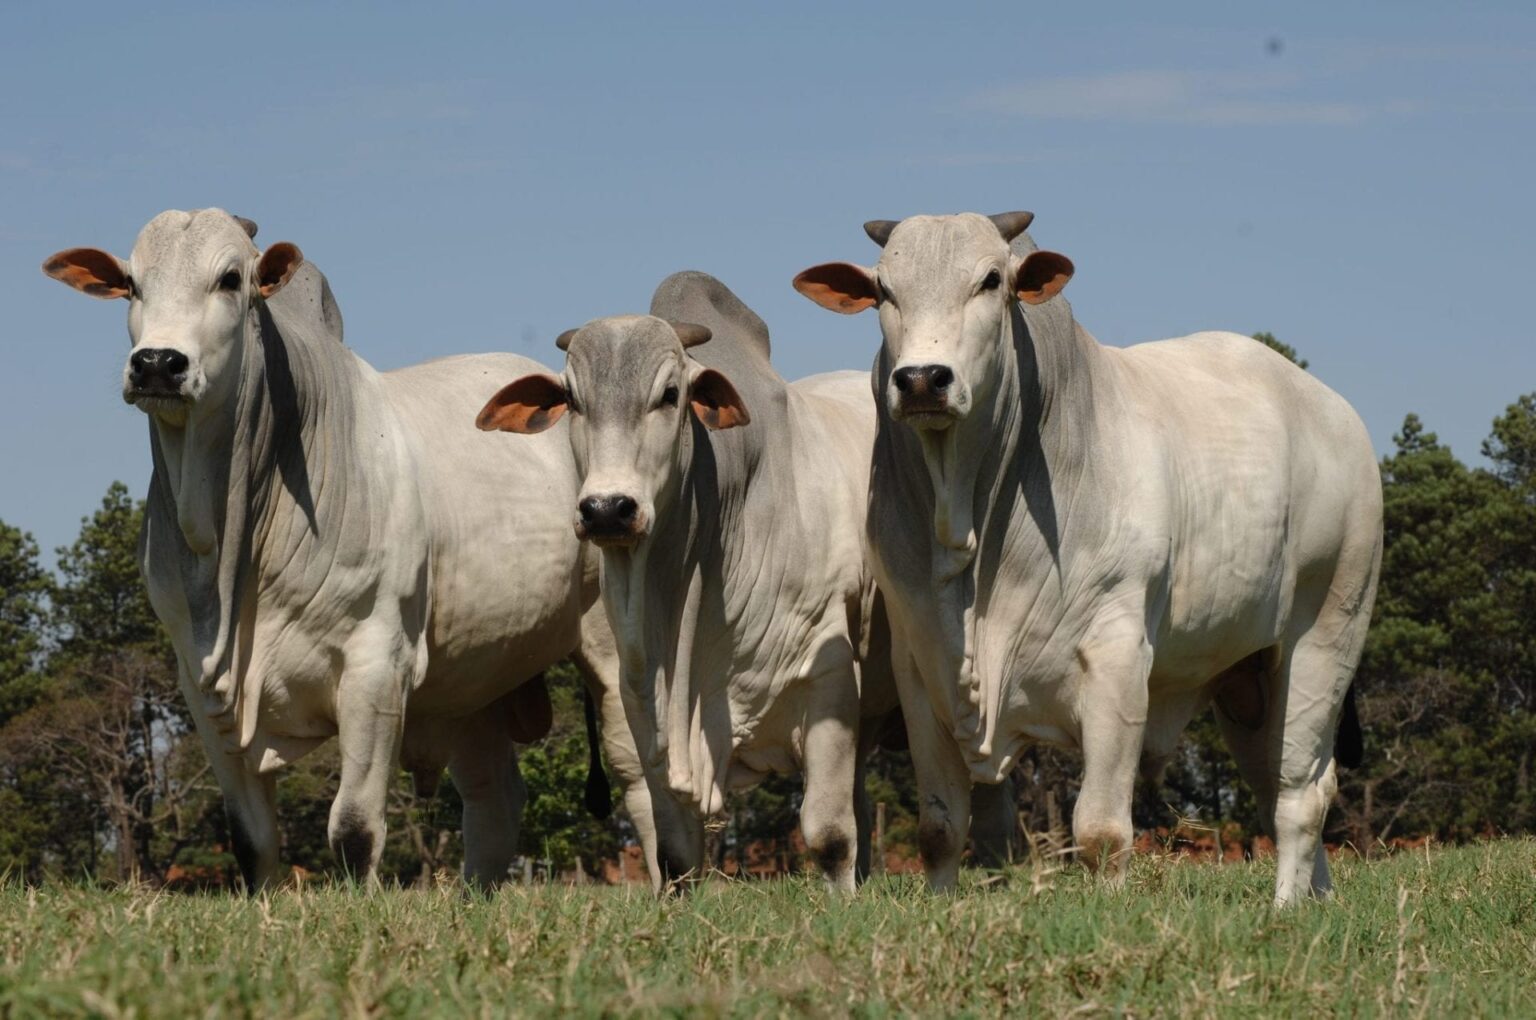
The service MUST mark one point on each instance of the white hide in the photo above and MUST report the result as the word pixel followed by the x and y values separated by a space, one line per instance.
pixel 1090 543
pixel 338 551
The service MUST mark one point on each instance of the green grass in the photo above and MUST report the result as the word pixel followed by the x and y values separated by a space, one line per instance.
pixel 1448 931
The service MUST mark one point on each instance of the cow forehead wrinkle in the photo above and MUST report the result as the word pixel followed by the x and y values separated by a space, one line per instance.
pixel 183 246
pixel 926 249
pixel 620 355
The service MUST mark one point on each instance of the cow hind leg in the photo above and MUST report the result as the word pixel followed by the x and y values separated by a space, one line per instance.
pixel 1283 741
pixel 863 813
pixel 483 764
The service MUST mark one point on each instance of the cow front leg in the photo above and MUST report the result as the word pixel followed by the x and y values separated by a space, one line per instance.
pixel 995 823
pixel 370 716
pixel 1112 705
pixel 250 801
pixel 828 817
pixel 671 834
pixel 943 781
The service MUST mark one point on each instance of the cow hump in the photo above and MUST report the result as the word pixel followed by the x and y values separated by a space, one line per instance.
pixel 692 296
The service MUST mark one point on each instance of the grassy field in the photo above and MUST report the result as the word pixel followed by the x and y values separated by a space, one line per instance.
pixel 1431 933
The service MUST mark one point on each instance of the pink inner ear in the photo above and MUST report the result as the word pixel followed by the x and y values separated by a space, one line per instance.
pixel 715 401
pixel 277 266
pixel 1042 276
pixel 529 405
pixel 838 286
pixel 90 271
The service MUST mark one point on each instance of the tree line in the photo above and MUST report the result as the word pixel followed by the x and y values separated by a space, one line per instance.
pixel 102 777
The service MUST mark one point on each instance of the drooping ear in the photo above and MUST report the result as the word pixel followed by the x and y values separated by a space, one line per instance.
pixel 715 401
pixel 90 271
pixel 1041 276
pixel 529 405
pixel 839 287
pixel 277 266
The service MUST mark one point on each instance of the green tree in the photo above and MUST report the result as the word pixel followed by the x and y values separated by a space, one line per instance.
pixel 100 603
pixel 1512 446
pixel 556 824
pixel 23 613
pixel 105 746
pixel 1285 350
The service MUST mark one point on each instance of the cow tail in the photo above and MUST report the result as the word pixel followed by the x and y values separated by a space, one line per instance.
pixel 1349 744
pixel 599 795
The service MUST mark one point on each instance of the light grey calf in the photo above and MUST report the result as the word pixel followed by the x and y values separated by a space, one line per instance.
pixel 729 509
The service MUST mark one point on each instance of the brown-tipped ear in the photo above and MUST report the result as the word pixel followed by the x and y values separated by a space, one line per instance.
pixel 1041 276
pixel 531 404
pixel 277 266
pixel 839 287
pixel 716 402
pixel 90 271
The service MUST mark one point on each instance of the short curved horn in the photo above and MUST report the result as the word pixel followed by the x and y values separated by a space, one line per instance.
pixel 249 226
pixel 879 231
pixel 563 341
pixel 1012 224
pixel 690 334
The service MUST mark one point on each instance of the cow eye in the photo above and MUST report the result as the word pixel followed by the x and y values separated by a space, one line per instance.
pixel 669 396
pixel 993 280
pixel 230 281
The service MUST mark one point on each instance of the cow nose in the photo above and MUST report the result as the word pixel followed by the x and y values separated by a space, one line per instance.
pixel 923 380
pixel 607 514
pixel 157 363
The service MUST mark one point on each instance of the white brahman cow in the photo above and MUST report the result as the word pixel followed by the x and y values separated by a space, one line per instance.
pixel 338 551
pixel 1084 545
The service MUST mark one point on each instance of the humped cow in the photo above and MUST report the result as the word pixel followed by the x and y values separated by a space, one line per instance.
pixel 1085 545
pixel 335 550
pixel 728 507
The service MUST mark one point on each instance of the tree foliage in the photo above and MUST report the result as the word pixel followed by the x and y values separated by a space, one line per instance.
pixel 1285 350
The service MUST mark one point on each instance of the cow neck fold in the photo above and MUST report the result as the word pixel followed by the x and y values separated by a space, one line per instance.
pixel 240 493
pixel 692 579
pixel 1008 475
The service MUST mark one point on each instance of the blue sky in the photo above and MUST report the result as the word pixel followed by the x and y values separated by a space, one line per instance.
pixel 1356 178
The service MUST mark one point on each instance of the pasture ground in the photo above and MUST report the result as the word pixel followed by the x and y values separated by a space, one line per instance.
pixel 1435 933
